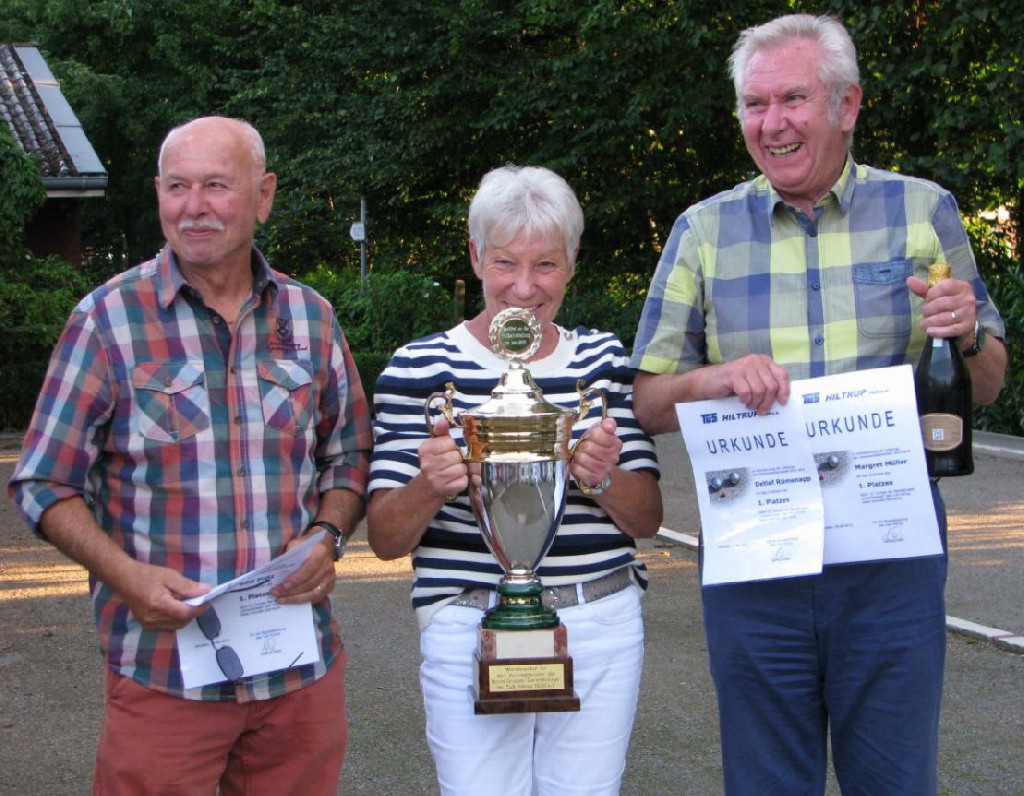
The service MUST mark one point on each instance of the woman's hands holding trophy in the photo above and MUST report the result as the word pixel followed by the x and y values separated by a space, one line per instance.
pixel 442 463
pixel 595 456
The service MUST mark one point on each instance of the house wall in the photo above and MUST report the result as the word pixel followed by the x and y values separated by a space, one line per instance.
pixel 57 229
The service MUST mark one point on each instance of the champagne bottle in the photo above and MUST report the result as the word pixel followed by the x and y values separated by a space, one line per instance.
pixel 944 405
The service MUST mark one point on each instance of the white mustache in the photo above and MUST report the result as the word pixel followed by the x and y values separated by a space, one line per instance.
pixel 188 224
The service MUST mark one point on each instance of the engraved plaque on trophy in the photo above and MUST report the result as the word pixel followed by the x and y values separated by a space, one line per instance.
pixel 518 447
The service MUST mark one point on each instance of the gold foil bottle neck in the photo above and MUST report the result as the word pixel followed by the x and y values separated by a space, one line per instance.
pixel 937 272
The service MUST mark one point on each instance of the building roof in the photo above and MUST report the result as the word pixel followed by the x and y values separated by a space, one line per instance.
pixel 45 126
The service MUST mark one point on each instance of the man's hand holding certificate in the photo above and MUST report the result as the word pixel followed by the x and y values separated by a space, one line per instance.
pixel 245 631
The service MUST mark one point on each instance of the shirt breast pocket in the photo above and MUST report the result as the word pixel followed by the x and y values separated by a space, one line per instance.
pixel 171 398
pixel 883 298
pixel 286 392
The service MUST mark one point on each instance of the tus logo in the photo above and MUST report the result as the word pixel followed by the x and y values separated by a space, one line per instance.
pixel 812 398
pixel 710 417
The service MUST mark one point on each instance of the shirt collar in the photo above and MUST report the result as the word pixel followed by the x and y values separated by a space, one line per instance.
pixel 841 192
pixel 171 281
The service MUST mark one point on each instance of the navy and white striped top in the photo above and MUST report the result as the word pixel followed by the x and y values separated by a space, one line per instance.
pixel 452 555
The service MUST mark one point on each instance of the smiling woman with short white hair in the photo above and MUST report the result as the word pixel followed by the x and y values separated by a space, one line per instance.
pixel 525 226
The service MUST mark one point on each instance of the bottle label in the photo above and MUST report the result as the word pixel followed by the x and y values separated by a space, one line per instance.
pixel 942 432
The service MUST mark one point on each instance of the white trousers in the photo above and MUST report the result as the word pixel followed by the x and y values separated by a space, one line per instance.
pixel 536 754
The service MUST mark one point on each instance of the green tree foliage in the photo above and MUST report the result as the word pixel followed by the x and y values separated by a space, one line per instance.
pixel 384 312
pixel 21 196
pixel 944 89
pixel 409 102
pixel 35 295
pixel 412 102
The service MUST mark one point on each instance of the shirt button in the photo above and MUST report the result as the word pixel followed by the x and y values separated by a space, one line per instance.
pixel 238 420
pixel 241 471
pixel 815 286
pixel 818 339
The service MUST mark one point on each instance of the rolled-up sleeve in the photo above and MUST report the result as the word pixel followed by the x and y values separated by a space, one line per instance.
pixel 670 337
pixel 65 434
pixel 345 436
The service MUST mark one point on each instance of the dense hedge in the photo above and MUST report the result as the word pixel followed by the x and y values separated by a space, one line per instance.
pixel 388 310
pixel 35 295
pixel 391 309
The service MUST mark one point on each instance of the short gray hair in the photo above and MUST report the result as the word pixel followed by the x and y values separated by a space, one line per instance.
pixel 255 140
pixel 514 199
pixel 838 70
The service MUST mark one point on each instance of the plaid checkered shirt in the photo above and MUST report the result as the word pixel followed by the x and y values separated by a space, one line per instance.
pixel 197 449
pixel 743 272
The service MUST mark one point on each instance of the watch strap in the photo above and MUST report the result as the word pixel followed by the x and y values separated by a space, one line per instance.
pixel 339 535
pixel 979 341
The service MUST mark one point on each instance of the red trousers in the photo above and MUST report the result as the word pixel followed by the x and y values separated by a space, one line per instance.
pixel 151 743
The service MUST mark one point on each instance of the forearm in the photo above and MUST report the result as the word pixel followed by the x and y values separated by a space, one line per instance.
pixel 654 402
pixel 988 370
pixel 397 518
pixel 343 507
pixel 70 526
pixel 655 396
pixel 633 501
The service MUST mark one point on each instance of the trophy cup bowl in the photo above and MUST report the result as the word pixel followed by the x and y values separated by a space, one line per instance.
pixel 518 499
pixel 518 448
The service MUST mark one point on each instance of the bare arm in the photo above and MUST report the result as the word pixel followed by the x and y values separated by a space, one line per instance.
pixel 154 594
pixel 343 507
pixel 397 518
pixel 755 379
pixel 988 370
pixel 317 575
pixel 632 499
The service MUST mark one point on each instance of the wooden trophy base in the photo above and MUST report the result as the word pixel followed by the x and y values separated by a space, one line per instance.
pixel 524 671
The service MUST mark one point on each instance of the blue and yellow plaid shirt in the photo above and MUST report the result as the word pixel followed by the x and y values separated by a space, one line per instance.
pixel 745 273
pixel 198 449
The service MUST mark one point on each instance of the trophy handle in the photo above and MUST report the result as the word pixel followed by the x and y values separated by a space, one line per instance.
pixel 587 397
pixel 447 410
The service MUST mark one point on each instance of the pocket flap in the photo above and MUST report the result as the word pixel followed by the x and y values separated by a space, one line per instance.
pixel 288 373
pixel 168 377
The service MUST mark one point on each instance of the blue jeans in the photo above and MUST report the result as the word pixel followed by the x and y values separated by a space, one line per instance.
pixel 858 650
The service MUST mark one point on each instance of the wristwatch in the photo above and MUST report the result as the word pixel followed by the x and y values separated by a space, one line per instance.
pixel 597 488
pixel 979 341
pixel 339 536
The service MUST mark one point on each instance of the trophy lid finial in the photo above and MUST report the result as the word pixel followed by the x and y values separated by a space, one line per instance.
pixel 515 334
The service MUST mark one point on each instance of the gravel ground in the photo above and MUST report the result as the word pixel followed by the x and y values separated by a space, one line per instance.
pixel 51 672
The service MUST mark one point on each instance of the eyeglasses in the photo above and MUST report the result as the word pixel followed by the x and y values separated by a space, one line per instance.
pixel 227 658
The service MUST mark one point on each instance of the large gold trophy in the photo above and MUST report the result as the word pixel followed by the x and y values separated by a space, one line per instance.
pixel 518 451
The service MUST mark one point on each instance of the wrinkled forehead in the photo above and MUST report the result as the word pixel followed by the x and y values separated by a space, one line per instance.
pixel 794 62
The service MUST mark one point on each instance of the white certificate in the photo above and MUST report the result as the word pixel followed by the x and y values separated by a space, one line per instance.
pixel 837 475
pixel 865 433
pixel 245 631
pixel 757 489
